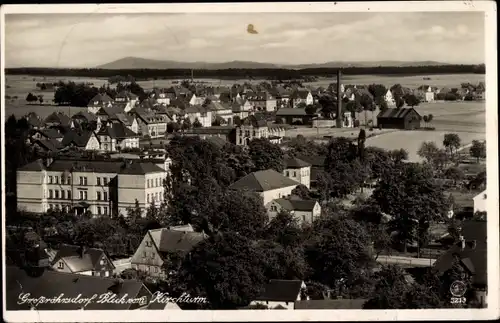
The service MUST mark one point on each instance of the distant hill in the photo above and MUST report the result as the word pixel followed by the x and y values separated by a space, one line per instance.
pixel 144 63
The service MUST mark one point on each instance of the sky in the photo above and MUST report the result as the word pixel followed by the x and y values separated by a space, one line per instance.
pixel 89 40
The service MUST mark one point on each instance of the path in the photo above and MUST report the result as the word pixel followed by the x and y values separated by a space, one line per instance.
pixel 406 261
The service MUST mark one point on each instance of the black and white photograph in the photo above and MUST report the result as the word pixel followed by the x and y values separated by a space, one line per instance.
pixel 199 162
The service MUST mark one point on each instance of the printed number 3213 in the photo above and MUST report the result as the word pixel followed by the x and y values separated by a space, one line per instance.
pixel 458 300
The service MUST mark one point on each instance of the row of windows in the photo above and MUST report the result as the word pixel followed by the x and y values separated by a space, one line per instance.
pixel 55 180
pixel 67 208
pixel 105 181
pixel 304 173
pixel 153 197
pixel 145 255
pixel 102 211
pixel 56 194
pixel 157 182
pixel 104 195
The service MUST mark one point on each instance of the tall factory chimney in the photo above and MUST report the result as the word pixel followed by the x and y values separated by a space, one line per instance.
pixel 339 100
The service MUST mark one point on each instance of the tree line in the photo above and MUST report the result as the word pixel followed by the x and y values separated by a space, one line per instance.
pixel 274 73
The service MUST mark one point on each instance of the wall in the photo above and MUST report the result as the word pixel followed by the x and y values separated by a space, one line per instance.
pixel 30 191
pixel 268 196
pixel 323 123
pixel 154 187
pixel 480 202
pixel 93 143
pixel 130 188
pixel 152 258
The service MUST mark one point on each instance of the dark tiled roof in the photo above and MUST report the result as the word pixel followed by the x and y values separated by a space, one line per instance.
pixel 52 284
pixel 263 180
pixel 471 257
pixel 98 166
pixel 117 130
pixel 85 115
pixel 33 120
pixel 110 111
pixel 315 161
pixel 58 117
pixel 291 112
pixel 49 133
pixel 281 291
pixel 332 304
pixel 301 94
pixel 126 95
pixel 50 144
pixel 79 139
pixel 297 205
pixel 395 113
pixel 217 141
pixel 295 162
pixel 100 98
pixel 179 241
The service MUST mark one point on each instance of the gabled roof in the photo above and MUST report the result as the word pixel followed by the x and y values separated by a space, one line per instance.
pixel 259 96
pixel 50 145
pixel 124 118
pixel 126 95
pixel 59 118
pixel 135 168
pixel 110 111
pixel 79 139
pixel 315 161
pixel 49 133
pixel 297 204
pixel 33 119
pixel 396 113
pixel 294 162
pixel 52 284
pixel 473 256
pixel 85 115
pixel 117 130
pixel 175 240
pixel 281 291
pixel 263 180
pixel 79 260
pixel 100 98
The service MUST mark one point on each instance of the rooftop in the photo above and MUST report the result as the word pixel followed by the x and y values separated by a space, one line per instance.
pixel 263 180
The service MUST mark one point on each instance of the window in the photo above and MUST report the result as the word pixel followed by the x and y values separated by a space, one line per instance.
pixel 145 254
pixel 60 265
pixel 102 262
pixel 99 210
pixel 98 196
pixel 69 195
pixel 148 244
pixel 50 179
pixel 148 198
pixel 287 173
pixel 50 194
pixel 57 179
pixel 63 180
pixel 294 173
pixel 62 194
pixel 69 180
pixel 105 180
pixel 85 181
pixel 105 210
pixel 105 196
pixel 152 255
pixel 106 274
pixel 98 182
pixel 81 180
pixel 156 182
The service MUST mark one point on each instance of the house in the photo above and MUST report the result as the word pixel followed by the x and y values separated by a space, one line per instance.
pixel 83 139
pixel 163 246
pixel 269 184
pixel 254 126
pixel 34 121
pixel 47 134
pixel 480 202
pixel 276 132
pixel 67 286
pixel 298 170
pixel 471 254
pixel 301 96
pixel 294 116
pixel 115 136
pixel 282 294
pixel 203 115
pixel 108 112
pixel 101 187
pixel 130 121
pixel 304 211
pixel 99 101
pixel 389 98
pixel 48 145
pixel 82 261
pixel 317 165
pixel 331 304
pixel 240 110
pixel 129 100
pixel 150 124
pixel 403 118
pixel 84 119
pixel 223 110
pixel 160 96
pixel 262 101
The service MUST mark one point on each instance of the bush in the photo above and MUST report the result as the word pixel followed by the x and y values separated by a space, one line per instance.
pixel 451 97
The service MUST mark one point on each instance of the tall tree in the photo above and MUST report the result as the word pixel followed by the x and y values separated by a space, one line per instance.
pixel 478 150
pixel 452 142
pixel 266 155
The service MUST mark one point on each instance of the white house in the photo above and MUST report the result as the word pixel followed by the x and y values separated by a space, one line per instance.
pixel 480 202
pixel 304 211
pixel 302 97
pixel 282 294
pixel 128 99
pixel 298 170
pixel 203 115
pixel 269 184
pixel 82 261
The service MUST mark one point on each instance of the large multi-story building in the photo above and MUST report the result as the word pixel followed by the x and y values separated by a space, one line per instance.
pixel 103 187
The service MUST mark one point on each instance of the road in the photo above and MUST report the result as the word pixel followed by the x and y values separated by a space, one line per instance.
pixel 405 261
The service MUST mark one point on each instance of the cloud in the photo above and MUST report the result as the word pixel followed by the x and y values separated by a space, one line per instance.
pixel 76 40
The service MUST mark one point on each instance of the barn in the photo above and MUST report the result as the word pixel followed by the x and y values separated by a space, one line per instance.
pixel 403 118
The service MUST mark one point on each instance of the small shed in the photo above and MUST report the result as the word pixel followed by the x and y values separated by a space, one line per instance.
pixel 403 118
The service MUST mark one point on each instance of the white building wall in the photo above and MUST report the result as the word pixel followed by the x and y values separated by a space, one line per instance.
pixel 268 196
pixel 480 202
pixel 301 175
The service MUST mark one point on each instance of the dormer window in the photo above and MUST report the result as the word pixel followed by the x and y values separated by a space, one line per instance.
pixel 484 196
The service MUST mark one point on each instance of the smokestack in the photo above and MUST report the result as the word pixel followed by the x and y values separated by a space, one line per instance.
pixel 339 100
